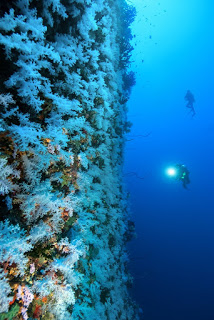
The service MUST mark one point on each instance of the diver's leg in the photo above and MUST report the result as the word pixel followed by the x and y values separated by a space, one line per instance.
pixel 187 180
pixel 184 184
pixel 193 112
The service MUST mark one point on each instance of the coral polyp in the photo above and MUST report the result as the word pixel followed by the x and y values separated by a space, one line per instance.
pixel 64 213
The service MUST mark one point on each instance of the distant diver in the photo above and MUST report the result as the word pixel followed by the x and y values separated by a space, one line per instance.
pixel 179 172
pixel 190 101
pixel 182 174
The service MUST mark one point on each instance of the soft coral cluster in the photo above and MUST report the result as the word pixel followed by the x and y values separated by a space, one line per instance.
pixel 62 135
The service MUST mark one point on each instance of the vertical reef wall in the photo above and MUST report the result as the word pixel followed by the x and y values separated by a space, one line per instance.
pixel 64 219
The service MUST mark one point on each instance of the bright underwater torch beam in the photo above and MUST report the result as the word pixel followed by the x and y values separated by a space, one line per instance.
pixel 171 172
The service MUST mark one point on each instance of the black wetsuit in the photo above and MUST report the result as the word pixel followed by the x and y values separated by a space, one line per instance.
pixel 190 101
pixel 183 175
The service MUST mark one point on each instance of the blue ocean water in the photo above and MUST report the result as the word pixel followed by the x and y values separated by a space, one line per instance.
pixel 172 257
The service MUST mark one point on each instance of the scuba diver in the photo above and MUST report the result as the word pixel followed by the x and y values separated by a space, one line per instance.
pixel 182 174
pixel 190 100
pixel 179 172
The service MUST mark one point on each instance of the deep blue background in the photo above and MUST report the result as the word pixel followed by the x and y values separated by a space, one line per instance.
pixel 172 258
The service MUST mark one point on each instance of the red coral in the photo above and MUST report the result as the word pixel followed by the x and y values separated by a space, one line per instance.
pixel 12 302
pixel 38 312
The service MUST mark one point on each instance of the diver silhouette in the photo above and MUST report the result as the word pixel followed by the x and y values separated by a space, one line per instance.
pixel 182 174
pixel 190 101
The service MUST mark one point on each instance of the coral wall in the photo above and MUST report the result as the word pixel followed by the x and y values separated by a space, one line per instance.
pixel 64 218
